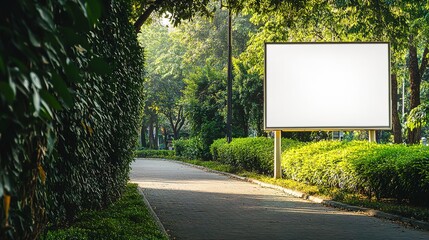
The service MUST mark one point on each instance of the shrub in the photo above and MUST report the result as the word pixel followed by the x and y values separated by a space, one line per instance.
pixel 251 154
pixel 192 148
pixel 154 153
pixel 386 171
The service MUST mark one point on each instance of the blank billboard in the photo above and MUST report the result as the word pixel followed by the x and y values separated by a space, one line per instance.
pixel 327 86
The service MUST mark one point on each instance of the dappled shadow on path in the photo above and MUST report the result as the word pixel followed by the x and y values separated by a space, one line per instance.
pixel 213 215
pixel 194 204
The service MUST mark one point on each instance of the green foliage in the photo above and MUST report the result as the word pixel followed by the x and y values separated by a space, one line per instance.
pixel 164 78
pixel 67 119
pixel 35 78
pixel 154 153
pixel 97 134
pixel 192 148
pixel 128 218
pixel 250 154
pixel 386 171
pixel 418 116
pixel 248 100
pixel 205 99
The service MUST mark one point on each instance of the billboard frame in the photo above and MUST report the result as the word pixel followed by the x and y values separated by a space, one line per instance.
pixel 330 128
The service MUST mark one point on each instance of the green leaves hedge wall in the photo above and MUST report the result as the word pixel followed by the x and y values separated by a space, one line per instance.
pixel 70 99
pixel 381 170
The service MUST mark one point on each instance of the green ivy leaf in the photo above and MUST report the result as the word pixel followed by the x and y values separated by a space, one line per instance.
pixel 93 10
pixel 2 66
pixel 71 38
pixel 48 23
pixel 76 10
pixel 35 79
pixel 8 91
pixel 99 66
pixel 50 100
pixel 51 141
pixel 36 102
pixel 6 183
pixel 33 40
pixel 62 90
pixel 72 72
pixel 46 111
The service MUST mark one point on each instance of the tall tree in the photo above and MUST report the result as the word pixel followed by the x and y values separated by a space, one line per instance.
pixel 402 23
pixel 164 78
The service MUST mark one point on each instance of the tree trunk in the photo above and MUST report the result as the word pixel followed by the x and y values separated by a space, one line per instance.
pixel 150 133
pixel 156 133
pixel 176 124
pixel 415 80
pixel 143 136
pixel 165 138
pixel 397 132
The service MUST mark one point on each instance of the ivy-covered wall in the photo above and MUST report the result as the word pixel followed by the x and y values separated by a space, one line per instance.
pixel 71 75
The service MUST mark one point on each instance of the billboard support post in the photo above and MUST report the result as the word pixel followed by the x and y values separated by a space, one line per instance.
pixel 277 154
pixel 371 136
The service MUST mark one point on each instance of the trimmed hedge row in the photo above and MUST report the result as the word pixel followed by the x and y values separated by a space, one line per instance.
pixel 251 154
pixel 154 153
pixel 386 171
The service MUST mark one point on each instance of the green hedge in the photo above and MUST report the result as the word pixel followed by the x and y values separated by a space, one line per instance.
pixel 154 153
pixel 192 148
pixel 385 171
pixel 71 77
pixel 252 154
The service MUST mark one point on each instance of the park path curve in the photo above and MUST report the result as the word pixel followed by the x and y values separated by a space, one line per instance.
pixel 195 204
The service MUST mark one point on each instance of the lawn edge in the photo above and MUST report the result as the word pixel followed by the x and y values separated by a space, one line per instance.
pixel 151 211
pixel 330 203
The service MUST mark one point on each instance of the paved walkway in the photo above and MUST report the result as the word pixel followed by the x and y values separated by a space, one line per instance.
pixel 194 204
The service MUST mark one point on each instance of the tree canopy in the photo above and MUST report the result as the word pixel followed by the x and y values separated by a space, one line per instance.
pixel 403 24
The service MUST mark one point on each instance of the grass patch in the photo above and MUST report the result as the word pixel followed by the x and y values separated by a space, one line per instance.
pixel 336 194
pixel 128 218
pixel 212 165
pixel 149 153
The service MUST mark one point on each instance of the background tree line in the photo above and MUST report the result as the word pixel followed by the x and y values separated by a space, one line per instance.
pixel 200 66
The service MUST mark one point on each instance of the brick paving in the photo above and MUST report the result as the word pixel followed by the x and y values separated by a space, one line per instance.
pixel 195 204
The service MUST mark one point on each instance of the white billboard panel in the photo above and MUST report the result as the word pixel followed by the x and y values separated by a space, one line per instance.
pixel 327 86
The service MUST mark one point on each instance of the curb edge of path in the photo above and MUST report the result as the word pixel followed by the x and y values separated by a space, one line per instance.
pixel 368 211
pixel 152 212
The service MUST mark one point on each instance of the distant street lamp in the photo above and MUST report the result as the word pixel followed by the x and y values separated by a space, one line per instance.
pixel 229 88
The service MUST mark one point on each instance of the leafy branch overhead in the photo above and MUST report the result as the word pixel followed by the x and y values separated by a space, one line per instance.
pixel 177 11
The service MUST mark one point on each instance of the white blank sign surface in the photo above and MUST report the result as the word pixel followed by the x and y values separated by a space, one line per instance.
pixel 327 86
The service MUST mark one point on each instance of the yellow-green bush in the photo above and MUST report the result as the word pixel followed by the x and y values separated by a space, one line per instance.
pixel 385 171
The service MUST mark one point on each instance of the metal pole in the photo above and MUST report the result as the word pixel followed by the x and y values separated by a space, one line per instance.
pixel 229 90
pixel 277 154
pixel 403 100
pixel 372 136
